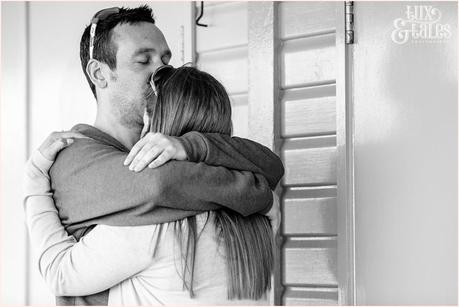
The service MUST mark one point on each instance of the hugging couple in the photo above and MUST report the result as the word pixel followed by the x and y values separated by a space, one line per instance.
pixel 156 203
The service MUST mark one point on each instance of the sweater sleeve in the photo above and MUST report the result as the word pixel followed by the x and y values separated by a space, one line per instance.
pixel 234 153
pixel 101 259
pixel 90 182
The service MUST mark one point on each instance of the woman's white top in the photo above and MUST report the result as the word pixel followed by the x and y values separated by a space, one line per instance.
pixel 142 265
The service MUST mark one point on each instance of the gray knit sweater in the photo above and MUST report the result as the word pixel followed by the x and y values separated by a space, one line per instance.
pixel 92 186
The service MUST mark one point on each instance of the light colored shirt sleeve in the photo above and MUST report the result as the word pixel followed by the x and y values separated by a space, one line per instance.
pixel 101 259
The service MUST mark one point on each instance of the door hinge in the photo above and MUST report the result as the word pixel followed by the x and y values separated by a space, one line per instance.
pixel 349 20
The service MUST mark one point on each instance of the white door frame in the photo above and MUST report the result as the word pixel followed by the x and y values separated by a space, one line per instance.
pixel 345 165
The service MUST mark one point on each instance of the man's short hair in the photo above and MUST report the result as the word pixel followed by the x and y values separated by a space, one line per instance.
pixel 104 48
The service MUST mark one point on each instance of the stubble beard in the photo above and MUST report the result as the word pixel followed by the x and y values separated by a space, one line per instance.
pixel 129 112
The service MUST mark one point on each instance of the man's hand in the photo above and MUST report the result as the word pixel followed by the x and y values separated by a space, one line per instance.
pixel 154 149
pixel 274 214
pixel 57 141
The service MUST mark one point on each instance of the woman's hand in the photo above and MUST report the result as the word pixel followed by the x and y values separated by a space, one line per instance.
pixel 154 149
pixel 57 141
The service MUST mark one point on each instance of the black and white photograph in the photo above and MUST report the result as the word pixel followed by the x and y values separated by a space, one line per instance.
pixel 229 153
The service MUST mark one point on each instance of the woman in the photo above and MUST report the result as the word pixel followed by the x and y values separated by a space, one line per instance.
pixel 215 257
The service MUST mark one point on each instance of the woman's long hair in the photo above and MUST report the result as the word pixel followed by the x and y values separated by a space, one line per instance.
pixel 192 100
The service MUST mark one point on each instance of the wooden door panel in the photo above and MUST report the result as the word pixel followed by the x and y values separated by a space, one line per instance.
pixel 310 296
pixel 308 61
pixel 310 161
pixel 305 18
pixel 309 211
pixel 309 261
pixel 309 111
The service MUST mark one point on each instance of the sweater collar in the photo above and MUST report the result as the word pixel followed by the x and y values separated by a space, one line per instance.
pixel 99 135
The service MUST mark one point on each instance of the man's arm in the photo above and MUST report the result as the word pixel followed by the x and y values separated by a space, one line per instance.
pixel 91 182
pixel 154 149
pixel 234 153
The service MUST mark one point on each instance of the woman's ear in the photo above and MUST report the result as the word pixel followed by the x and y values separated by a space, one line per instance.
pixel 96 73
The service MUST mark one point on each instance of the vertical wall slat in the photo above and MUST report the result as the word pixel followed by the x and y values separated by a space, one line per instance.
pixel 264 107
pixel 263 74
pixel 309 207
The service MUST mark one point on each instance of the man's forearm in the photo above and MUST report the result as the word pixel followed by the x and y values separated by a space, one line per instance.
pixel 234 153
pixel 90 182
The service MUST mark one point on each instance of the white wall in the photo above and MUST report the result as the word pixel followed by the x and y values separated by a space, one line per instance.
pixel 13 154
pixel 406 108
pixel 221 50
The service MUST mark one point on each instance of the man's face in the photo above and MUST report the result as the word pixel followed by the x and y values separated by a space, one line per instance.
pixel 142 48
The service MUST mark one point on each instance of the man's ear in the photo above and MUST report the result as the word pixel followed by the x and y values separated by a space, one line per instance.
pixel 97 73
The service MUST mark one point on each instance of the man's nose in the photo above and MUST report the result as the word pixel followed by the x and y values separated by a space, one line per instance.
pixel 159 61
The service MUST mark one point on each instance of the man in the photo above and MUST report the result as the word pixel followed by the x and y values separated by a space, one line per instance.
pixel 119 52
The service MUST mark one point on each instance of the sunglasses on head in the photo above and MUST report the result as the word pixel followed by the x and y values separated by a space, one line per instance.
pixel 99 16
